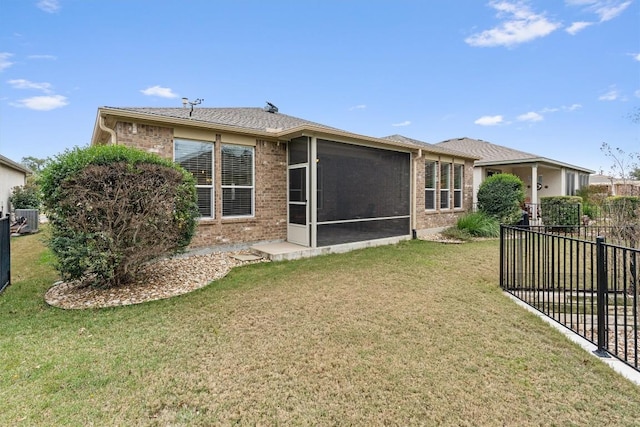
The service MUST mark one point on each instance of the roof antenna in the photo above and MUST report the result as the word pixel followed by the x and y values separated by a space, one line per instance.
pixel 270 108
pixel 186 101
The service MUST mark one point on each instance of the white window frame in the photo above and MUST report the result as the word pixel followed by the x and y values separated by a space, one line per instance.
pixel 209 186
pixel 434 179
pixel 445 190
pixel 458 190
pixel 252 186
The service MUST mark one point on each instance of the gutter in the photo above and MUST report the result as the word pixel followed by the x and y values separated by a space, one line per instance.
pixel 414 204
pixel 111 132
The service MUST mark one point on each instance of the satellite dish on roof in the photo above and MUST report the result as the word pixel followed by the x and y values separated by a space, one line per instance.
pixel 270 108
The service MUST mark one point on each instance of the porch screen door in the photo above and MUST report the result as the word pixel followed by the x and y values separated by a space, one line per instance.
pixel 298 225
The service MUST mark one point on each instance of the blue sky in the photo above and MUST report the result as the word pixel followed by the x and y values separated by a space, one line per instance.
pixel 552 77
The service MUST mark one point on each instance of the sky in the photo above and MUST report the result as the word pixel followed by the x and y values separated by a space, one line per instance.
pixel 555 78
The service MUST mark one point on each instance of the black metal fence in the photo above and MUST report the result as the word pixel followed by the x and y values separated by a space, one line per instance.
pixel 590 286
pixel 5 253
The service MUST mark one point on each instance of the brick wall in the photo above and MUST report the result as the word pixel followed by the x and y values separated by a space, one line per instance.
pixel 441 218
pixel 270 220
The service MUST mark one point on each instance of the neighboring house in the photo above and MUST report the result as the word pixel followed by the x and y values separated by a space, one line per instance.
pixel 263 176
pixel 12 174
pixel 541 176
pixel 616 186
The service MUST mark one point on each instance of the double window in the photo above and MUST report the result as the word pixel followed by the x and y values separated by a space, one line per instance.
pixel 237 176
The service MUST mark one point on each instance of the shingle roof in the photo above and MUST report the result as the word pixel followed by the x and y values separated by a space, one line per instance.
pixel 494 154
pixel 246 118
pixel 14 165
pixel 431 147
pixel 486 151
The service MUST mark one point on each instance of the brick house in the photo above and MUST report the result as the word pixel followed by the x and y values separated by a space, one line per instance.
pixel 263 176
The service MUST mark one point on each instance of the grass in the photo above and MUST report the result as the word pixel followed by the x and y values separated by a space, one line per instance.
pixel 413 334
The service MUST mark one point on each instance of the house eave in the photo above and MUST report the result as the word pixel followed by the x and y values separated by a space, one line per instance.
pixel 531 161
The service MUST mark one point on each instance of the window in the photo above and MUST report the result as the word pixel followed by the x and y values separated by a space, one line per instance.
pixel 430 180
pixel 583 181
pixel 197 158
pixel 445 185
pixel 570 178
pixel 237 180
pixel 458 182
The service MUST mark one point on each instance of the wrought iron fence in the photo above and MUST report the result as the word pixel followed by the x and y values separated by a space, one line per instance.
pixel 5 253
pixel 591 287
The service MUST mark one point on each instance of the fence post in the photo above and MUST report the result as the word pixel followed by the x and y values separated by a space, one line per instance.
pixel 502 256
pixel 601 276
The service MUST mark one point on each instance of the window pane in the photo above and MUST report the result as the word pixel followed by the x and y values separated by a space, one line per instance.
pixel 197 158
pixel 430 199
pixel 445 175
pixel 237 165
pixel 237 201
pixel 444 199
pixel 204 200
pixel 457 177
pixel 298 185
pixel 457 199
pixel 298 151
pixel 298 214
pixel 430 174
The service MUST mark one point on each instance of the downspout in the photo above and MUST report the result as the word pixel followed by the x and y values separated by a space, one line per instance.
pixel 111 132
pixel 414 205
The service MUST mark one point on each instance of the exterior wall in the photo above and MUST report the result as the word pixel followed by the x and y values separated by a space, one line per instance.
pixel 270 220
pixel 430 219
pixel 9 178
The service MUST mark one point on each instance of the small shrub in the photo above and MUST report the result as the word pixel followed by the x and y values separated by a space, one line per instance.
pixel 500 196
pixel 562 212
pixel 25 197
pixel 112 209
pixel 478 224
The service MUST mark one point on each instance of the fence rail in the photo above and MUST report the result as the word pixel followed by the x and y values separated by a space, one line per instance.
pixel 591 287
pixel 5 253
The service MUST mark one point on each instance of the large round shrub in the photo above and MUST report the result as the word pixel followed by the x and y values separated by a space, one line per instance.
pixel 112 209
pixel 501 196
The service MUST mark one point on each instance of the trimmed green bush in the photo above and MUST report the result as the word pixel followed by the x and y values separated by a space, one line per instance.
pixel 563 212
pixel 500 196
pixel 112 209
pixel 478 224
pixel 623 209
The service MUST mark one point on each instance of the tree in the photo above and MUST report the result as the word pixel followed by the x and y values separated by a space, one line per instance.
pixel 112 209
pixel 635 173
pixel 34 164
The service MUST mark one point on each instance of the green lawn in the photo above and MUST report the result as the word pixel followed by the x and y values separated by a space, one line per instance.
pixel 413 334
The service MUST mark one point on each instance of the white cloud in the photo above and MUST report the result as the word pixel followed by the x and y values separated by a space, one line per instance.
pixel 489 120
pixel 572 107
pixel 42 103
pixel 606 10
pixel 4 60
pixel 358 107
pixel 520 25
pixel 42 57
pixel 576 27
pixel 637 93
pixel 611 95
pixel 405 123
pixel 635 56
pixel 26 84
pixel 163 92
pixel 531 116
pixel 49 6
